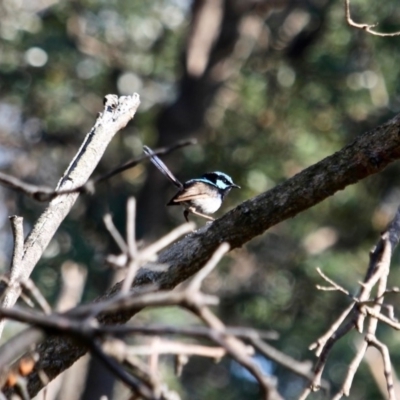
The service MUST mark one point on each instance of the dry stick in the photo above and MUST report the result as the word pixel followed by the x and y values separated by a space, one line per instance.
pixel 34 191
pixel 149 252
pixel 125 377
pixel 237 351
pixel 393 323
pixel 118 239
pixel 134 259
pixel 37 295
pixel 368 154
pixel 130 227
pixel 387 365
pixel 13 289
pixel 169 347
pixel 119 350
pixel 193 331
pixel 303 369
pixel 116 349
pixel 18 234
pixel 198 279
pixel 365 27
pixel 117 113
pixel 334 286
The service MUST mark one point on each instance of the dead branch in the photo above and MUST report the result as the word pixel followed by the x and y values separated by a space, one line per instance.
pixel 45 193
pixel 365 27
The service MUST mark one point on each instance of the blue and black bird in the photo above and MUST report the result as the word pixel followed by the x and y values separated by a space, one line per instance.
pixel 199 196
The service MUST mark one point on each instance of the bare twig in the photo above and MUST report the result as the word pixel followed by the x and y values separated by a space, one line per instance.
pixel 36 294
pixel 195 331
pixel 320 343
pixel 161 151
pixel 13 289
pixel 73 282
pixel 383 349
pixel 365 27
pixel 125 377
pixel 170 347
pixel 18 234
pixel 130 227
pixel 198 279
pixel 45 193
pixel 334 285
pixel 118 239
pixel 147 254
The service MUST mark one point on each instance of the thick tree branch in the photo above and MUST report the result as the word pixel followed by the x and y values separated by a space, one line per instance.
pixel 370 153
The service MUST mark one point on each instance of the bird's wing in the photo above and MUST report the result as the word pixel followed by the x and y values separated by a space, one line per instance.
pixel 197 190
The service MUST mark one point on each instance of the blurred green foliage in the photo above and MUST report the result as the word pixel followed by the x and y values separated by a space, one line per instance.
pixel 291 103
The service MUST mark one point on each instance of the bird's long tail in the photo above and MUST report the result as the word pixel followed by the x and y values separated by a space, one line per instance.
pixel 162 167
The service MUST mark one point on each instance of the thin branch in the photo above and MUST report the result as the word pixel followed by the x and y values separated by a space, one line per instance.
pixel 130 228
pixel 133 257
pixel 148 252
pixel 195 331
pixel 365 27
pixel 34 191
pixel 113 231
pixel 161 151
pixel 18 234
pixel 387 365
pixel 169 347
pixel 198 279
pixel 334 285
pixel 303 369
pixel 37 295
pixel 13 289
pixel 45 193
pixel 125 377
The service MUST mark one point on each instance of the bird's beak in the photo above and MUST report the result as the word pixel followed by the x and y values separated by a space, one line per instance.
pixel 235 186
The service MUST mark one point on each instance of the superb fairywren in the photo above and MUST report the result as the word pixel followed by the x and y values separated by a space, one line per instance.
pixel 199 196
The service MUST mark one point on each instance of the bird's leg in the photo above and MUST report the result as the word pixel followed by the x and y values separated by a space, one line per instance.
pixel 193 211
pixel 186 215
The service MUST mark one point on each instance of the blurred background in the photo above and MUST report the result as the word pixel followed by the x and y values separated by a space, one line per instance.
pixel 268 88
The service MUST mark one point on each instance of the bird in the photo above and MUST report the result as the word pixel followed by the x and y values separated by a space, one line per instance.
pixel 199 196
